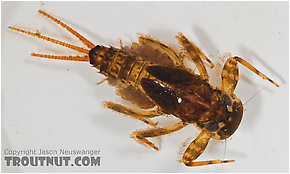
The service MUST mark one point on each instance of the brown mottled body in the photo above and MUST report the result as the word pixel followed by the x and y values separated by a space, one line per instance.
pixel 117 64
pixel 150 74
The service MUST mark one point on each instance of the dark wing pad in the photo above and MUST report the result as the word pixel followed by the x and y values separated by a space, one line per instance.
pixel 171 75
pixel 161 94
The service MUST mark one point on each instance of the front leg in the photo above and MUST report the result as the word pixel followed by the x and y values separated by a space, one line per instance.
pixel 141 136
pixel 230 74
pixel 196 148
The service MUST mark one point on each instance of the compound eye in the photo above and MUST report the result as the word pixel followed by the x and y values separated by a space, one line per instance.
pixel 212 126
pixel 227 100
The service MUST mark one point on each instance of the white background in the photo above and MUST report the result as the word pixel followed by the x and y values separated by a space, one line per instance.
pixel 52 104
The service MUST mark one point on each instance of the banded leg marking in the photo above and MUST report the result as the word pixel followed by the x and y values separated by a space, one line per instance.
pixel 141 136
pixel 162 48
pixel 196 148
pixel 230 74
pixel 133 113
pixel 195 54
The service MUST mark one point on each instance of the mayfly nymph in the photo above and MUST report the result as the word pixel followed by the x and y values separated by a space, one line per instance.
pixel 150 75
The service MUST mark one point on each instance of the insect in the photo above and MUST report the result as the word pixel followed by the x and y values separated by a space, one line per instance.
pixel 154 77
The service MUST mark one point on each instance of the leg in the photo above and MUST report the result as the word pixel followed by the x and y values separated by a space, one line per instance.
pixel 141 136
pixel 196 148
pixel 156 52
pixel 163 49
pixel 230 74
pixel 136 114
pixel 195 54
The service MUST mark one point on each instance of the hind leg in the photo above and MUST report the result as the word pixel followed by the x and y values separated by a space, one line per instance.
pixel 156 52
pixel 134 113
pixel 162 49
pixel 141 136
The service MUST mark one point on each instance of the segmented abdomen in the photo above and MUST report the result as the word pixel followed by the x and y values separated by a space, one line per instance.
pixel 115 63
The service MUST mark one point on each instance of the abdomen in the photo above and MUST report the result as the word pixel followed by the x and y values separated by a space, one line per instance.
pixel 117 64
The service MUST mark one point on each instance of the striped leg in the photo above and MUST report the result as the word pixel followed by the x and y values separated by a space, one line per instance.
pixel 196 148
pixel 230 74
pixel 133 113
pixel 163 49
pixel 195 54
pixel 142 135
